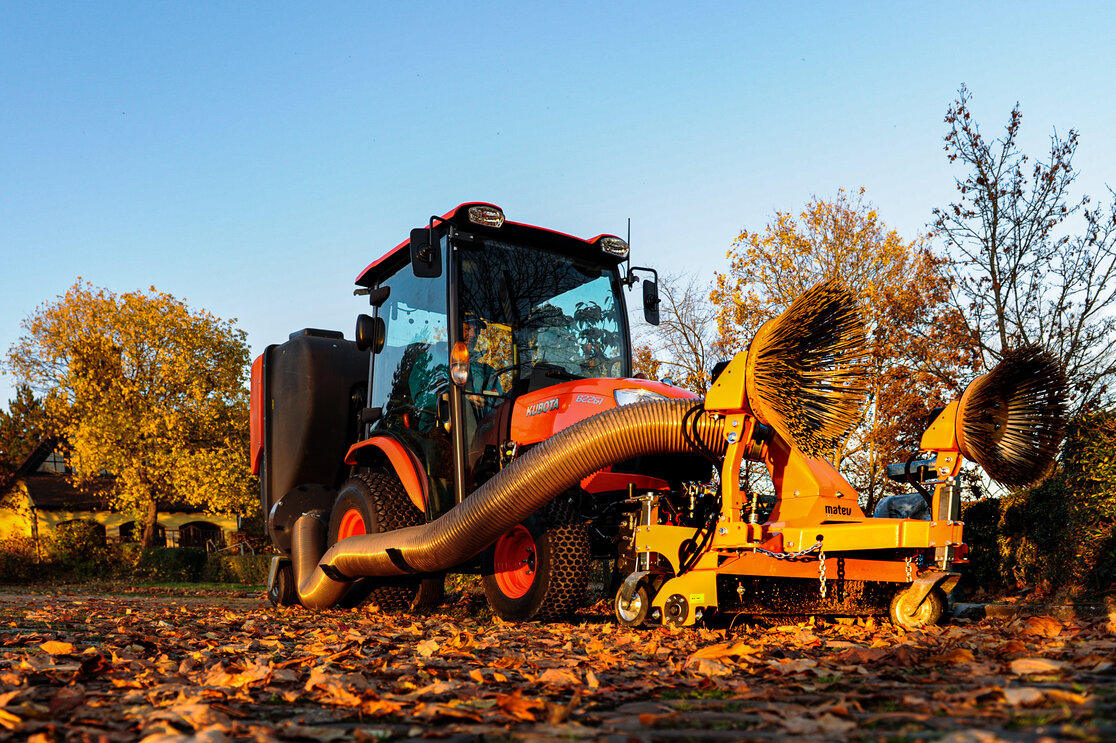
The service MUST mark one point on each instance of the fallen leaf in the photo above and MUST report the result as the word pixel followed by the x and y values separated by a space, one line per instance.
pixel 53 647
pixel 427 648
pixel 1042 627
pixel 516 707
pixel 706 667
pixel 1023 666
pixel 8 720
pixel 66 699
pixel 954 657
pixel 559 677
pixel 1023 696
pixel 794 666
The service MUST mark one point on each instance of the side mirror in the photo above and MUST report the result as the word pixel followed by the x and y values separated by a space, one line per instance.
pixel 426 254
pixel 370 333
pixel 651 301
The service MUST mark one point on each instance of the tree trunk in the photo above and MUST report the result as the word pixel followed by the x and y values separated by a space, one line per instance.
pixel 150 521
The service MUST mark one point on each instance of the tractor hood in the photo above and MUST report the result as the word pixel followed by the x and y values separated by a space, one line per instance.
pixel 540 414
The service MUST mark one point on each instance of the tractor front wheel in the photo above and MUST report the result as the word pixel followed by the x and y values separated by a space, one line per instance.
pixel 371 503
pixel 539 569
pixel 905 614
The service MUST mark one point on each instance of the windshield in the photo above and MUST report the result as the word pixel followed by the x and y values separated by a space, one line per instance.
pixel 540 311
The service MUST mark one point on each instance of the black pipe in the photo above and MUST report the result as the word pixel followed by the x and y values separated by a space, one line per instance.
pixel 523 487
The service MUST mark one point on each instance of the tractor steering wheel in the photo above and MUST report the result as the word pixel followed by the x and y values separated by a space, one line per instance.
pixel 494 374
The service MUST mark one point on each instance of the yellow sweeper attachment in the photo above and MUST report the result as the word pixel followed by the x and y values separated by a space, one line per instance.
pixel 786 401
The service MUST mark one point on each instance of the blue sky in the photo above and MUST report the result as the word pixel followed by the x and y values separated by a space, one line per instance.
pixel 253 157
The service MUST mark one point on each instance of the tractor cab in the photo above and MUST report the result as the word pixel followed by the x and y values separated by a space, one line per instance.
pixel 473 319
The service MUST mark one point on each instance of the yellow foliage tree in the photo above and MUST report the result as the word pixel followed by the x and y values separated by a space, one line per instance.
pixel 917 341
pixel 147 390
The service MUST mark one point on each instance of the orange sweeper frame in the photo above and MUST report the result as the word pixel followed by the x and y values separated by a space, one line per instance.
pixel 1010 421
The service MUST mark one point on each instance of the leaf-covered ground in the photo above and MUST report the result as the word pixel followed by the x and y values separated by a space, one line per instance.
pixel 215 668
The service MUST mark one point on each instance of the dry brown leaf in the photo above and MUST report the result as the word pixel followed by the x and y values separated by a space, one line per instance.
pixel 559 677
pixel 450 709
pixel 1042 627
pixel 516 707
pixel 1061 695
pixel 427 648
pixel 66 699
pixel 793 666
pixel 1031 666
pixel 213 735
pixel 1023 696
pixel 379 707
pixel 53 647
pixel 8 720
pixel 707 667
pixel 954 657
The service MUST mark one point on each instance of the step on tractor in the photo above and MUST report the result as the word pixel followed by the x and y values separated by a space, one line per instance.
pixel 485 419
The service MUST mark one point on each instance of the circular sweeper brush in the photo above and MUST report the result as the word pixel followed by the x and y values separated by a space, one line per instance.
pixel 1012 420
pixel 806 371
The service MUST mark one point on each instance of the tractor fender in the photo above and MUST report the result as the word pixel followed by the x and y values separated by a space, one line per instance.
pixel 924 584
pixel 377 448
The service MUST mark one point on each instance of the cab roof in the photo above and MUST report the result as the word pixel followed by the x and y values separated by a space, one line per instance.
pixel 400 255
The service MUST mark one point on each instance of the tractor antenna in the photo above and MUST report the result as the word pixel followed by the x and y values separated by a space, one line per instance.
pixel 629 241
pixel 1013 419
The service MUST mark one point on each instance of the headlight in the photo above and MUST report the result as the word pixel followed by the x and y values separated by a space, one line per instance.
pixel 489 216
pixel 635 394
pixel 614 246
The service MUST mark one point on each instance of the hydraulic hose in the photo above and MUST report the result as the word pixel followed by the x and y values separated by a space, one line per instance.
pixel 523 487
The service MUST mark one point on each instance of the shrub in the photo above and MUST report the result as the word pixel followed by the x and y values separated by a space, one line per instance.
pixel 982 534
pixel 20 563
pixel 245 569
pixel 80 550
pixel 174 564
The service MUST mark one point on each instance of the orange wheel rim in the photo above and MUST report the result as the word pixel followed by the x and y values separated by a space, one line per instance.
pixel 352 523
pixel 514 561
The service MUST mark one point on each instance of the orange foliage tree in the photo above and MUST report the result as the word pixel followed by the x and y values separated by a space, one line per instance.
pixel 917 343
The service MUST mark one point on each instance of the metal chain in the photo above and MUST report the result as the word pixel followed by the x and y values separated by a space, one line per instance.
pixel 910 577
pixel 821 572
pixel 788 555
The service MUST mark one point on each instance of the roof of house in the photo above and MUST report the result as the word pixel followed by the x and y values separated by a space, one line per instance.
pixel 52 491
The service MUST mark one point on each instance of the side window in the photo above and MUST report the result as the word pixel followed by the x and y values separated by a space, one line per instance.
pixel 412 369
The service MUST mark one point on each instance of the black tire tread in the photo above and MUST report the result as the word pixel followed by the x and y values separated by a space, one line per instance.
pixel 392 509
pixel 568 539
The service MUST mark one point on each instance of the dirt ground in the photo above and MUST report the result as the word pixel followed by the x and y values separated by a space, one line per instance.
pixel 162 668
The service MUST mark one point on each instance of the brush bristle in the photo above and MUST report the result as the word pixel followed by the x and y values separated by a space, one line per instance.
pixel 1014 418
pixel 809 371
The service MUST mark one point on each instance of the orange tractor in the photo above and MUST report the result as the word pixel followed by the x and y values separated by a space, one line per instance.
pixel 486 419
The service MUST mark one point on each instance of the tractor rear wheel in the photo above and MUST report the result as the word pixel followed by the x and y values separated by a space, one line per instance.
pixel 372 503
pixel 539 569
pixel 905 614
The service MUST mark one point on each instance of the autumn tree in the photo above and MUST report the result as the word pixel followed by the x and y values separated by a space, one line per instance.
pixel 1023 277
pixel 23 426
pixel 145 389
pixel 680 347
pixel 914 354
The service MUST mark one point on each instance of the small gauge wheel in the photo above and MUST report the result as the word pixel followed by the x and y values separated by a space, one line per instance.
pixel 905 614
pixel 634 611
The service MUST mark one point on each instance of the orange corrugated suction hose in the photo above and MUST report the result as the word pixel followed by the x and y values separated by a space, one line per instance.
pixel 523 487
